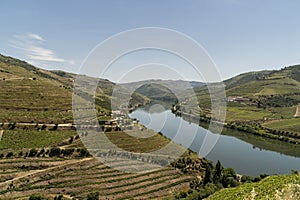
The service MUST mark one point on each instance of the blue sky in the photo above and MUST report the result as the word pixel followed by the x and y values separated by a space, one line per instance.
pixel 239 36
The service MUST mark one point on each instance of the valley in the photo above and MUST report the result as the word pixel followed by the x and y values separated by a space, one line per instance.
pixel 44 152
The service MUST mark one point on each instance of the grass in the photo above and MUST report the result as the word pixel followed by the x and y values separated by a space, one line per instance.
pixel 18 139
pixel 246 113
pixel 38 100
pixel 134 144
pixel 265 87
pixel 274 187
pixel 42 116
pixel 240 112
pixel 282 112
pixel 292 125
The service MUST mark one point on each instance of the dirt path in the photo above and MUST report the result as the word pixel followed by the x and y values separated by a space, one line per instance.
pixel 297 114
pixel 1 133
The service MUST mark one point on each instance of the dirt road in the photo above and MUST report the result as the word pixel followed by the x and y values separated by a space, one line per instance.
pixel 1 133
pixel 297 114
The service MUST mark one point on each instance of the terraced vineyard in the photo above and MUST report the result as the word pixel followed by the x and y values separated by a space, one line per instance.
pixel 36 118
pixel 21 178
pixel 41 153
pixel 274 187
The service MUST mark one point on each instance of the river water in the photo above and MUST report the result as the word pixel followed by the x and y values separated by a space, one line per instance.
pixel 246 154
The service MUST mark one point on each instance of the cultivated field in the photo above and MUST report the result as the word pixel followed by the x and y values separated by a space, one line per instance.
pixel 76 178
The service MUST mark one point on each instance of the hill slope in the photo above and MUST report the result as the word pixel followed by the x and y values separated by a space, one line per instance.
pixel 284 187
pixel 41 152
pixel 30 94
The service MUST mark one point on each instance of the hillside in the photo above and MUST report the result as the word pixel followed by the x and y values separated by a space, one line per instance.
pixel 173 85
pixel 41 152
pixel 28 93
pixel 162 90
pixel 284 187
pixel 31 94
pixel 264 103
pixel 157 92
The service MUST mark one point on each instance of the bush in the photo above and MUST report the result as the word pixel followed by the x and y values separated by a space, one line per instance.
pixel 71 140
pixel 93 196
pixel 36 197
pixel 43 127
pixel 32 153
pixel 68 152
pixel 246 179
pixel 60 197
pixel 55 127
pixel 181 195
pixel 83 152
pixel 9 155
pixel 11 126
pixel 55 152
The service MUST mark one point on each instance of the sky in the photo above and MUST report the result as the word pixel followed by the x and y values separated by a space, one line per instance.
pixel 238 35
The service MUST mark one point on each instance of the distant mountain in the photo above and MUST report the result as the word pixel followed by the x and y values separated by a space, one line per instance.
pixel 196 84
pixel 178 85
pixel 163 90
pixel 156 91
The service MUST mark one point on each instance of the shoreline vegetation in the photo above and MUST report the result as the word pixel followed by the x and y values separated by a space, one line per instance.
pixel 253 128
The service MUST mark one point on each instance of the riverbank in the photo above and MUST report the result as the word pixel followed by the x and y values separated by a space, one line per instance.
pixel 263 155
pixel 253 128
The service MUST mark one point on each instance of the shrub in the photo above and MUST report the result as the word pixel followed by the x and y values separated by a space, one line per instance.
pixel 55 152
pixel 83 153
pixel 60 197
pixel 68 152
pixel 32 153
pixel 43 127
pixel 93 196
pixel 9 155
pixel 36 197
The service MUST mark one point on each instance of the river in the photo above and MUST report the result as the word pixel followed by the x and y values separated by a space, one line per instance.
pixel 246 154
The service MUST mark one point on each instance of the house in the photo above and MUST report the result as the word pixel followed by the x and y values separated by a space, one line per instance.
pixel 237 99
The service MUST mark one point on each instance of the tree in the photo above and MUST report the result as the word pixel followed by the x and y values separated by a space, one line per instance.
pixel 229 178
pixel 208 174
pixel 218 173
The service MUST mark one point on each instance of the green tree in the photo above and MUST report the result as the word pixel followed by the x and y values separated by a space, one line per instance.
pixel 208 175
pixel 229 178
pixel 218 173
